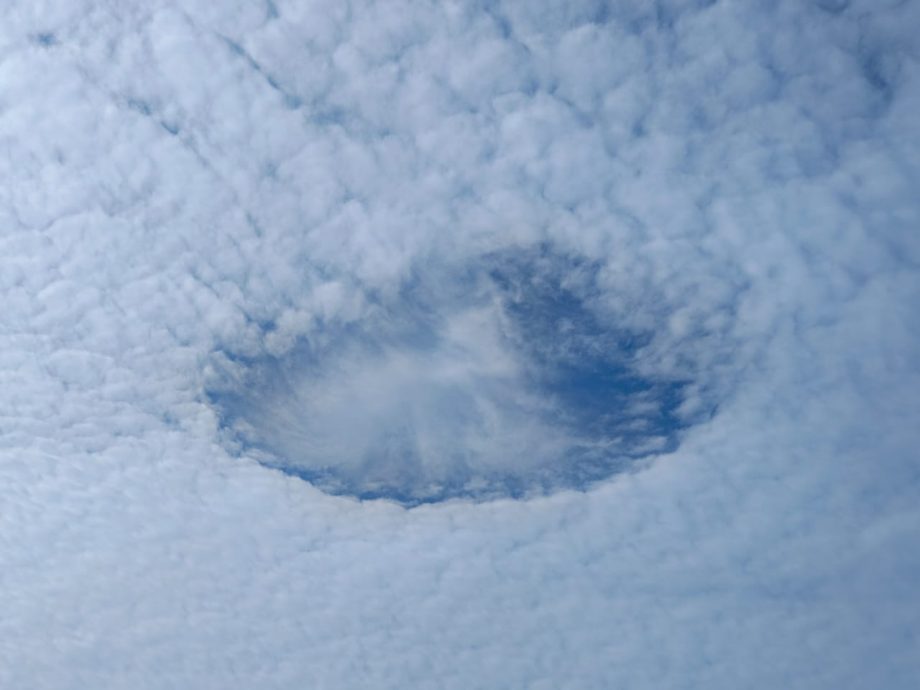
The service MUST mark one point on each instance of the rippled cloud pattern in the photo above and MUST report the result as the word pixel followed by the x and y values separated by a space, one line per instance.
pixel 520 344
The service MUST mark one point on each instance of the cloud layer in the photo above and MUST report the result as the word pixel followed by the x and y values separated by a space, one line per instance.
pixel 277 215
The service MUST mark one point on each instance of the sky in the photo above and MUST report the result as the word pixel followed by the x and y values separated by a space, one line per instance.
pixel 460 344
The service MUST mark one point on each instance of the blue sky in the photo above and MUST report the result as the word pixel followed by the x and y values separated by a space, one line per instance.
pixel 447 380
pixel 611 306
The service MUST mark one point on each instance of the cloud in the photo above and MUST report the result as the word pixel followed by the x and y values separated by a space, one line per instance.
pixel 404 242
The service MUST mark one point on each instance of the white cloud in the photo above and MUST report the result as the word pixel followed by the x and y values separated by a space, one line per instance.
pixel 185 185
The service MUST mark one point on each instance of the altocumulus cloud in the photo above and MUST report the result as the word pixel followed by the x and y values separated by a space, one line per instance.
pixel 516 344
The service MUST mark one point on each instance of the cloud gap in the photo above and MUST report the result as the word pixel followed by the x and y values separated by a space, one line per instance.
pixel 493 379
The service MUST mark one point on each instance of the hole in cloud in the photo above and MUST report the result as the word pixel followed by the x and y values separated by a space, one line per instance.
pixel 45 39
pixel 499 379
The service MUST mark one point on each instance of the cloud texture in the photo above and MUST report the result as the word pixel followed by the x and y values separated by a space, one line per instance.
pixel 342 235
